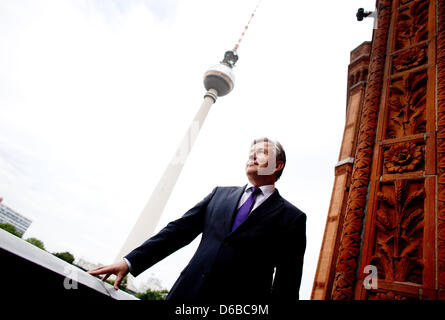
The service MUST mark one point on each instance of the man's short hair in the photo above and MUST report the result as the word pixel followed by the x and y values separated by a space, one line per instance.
pixel 280 155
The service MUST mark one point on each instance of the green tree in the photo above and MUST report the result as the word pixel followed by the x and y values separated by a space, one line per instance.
pixel 11 229
pixel 152 295
pixel 38 243
pixel 67 256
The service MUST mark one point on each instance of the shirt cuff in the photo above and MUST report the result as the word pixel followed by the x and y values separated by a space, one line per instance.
pixel 128 263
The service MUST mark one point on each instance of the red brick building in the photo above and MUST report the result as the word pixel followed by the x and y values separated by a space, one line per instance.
pixel 387 207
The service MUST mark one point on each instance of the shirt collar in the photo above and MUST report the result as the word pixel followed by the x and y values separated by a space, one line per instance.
pixel 266 189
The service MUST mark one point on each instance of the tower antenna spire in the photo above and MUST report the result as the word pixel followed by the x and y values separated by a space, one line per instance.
pixel 246 27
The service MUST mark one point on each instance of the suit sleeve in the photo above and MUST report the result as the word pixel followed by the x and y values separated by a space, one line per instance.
pixel 289 269
pixel 174 236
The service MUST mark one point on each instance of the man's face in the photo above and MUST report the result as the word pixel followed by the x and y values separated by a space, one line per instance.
pixel 262 159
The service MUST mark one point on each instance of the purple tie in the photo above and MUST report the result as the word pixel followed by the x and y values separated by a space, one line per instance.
pixel 244 210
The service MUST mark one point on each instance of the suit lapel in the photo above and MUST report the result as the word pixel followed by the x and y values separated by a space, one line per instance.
pixel 271 204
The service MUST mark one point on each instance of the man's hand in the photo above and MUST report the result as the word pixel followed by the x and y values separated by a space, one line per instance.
pixel 120 269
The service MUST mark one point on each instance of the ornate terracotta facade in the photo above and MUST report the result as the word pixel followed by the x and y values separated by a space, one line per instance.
pixel 388 205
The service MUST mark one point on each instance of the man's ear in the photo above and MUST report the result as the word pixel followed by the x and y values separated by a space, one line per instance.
pixel 279 166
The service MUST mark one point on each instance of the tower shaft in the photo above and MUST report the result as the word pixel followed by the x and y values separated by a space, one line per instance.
pixel 150 215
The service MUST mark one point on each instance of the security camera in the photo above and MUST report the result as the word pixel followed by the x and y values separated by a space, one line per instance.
pixel 361 13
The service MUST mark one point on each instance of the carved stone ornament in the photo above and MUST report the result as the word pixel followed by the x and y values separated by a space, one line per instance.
pixel 399 232
pixel 441 142
pixel 403 2
pixel 409 59
pixel 412 25
pixel 407 103
pixel 403 157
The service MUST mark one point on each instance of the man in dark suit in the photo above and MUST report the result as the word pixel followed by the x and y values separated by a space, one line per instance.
pixel 252 246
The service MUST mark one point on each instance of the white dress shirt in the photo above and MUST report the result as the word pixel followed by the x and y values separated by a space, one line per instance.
pixel 266 192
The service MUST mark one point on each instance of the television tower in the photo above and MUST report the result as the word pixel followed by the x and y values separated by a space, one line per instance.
pixel 218 81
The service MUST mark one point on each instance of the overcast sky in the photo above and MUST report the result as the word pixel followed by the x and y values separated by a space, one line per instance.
pixel 96 95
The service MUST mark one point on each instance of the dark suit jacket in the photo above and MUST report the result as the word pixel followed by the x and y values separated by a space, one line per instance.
pixel 232 266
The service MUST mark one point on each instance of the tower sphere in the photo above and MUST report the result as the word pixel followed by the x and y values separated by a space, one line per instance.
pixel 221 78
